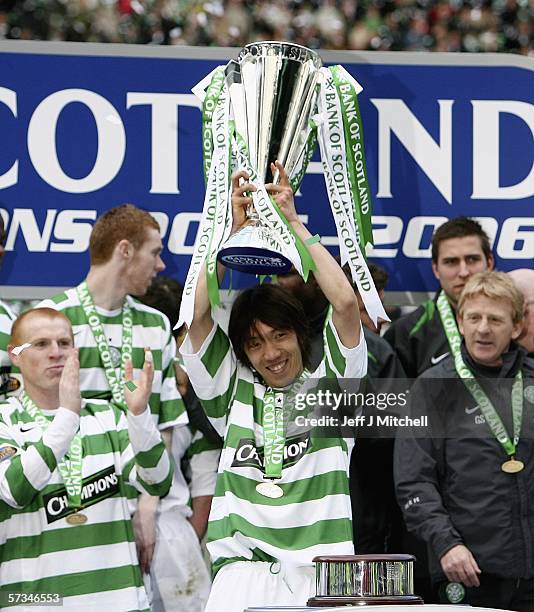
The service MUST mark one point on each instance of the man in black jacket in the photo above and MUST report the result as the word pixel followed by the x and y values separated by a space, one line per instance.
pixel 465 483
pixel 460 248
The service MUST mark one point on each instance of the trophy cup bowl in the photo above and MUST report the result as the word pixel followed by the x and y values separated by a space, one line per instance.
pixel 273 94
pixel 364 580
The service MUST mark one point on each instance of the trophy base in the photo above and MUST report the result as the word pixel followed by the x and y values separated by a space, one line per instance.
pixel 253 260
pixel 332 602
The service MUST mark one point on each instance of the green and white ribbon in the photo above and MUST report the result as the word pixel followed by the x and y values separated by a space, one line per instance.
pixel 277 408
pixel 209 105
pixel 348 89
pixel 93 319
pixel 334 147
pixel 71 468
pixel 486 407
pixel 218 188
pixel 216 221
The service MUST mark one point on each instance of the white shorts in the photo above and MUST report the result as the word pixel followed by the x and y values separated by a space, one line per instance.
pixel 179 577
pixel 245 584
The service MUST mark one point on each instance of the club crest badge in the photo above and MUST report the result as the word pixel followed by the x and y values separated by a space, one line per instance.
pixel 455 592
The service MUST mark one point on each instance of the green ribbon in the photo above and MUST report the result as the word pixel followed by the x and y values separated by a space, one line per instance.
pixel 354 147
pixel 97 329
pixel 212 278
pixel 71 468
pixel 486 407
pixel 277 409
pixel 208 108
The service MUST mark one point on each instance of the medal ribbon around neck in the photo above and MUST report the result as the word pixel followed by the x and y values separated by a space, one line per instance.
pixel 93 319
pixel 486 407
pixel 274 425
pixel 70 469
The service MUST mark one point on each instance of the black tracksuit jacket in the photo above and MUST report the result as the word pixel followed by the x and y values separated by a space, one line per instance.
pixel 450 486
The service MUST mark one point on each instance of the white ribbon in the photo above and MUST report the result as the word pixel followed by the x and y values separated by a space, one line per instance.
pixel 333 155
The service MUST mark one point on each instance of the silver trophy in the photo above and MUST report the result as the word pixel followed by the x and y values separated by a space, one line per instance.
pixel 363 580
pixel 273 93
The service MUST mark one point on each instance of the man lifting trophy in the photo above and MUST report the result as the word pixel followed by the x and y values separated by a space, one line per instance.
pixel 282 494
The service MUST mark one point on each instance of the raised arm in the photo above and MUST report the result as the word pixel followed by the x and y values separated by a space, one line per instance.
pixel 202 322
pixel 330 277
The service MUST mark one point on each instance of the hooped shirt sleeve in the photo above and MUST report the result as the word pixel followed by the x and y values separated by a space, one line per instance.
pixel 212 371
pixel 339 360
pixel 144 458
pixel 24 472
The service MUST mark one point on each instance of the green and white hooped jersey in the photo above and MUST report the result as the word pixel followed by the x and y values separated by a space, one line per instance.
pixel 151 328
pixel 314 515
pixel 94 565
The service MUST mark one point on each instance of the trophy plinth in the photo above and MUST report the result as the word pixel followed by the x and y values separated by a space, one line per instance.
pixel 364 580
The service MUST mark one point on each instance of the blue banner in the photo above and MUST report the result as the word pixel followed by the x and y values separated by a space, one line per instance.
pixel 87 127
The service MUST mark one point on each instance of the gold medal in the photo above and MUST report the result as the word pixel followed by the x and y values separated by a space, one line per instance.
pixel 76 519
pixel 512 466
pixel 269 489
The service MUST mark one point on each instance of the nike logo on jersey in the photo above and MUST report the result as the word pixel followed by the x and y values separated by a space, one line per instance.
pixel 25 428
pixel 435 360
pixel 471 410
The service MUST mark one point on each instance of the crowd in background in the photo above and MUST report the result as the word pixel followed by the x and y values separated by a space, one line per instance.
pixel 385 25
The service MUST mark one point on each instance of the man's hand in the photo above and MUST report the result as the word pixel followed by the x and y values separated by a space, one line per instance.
pixel 137 392
pixel 240 200
pixel 69 384
pixel 182 379
pixel 144 526
pixel 282 193
pixel 201 511
pixel 459 565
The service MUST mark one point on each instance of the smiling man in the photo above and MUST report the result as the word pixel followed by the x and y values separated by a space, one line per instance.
pixel 111 327
pixel 465 485
pixel 281 498
pixel 64 463
pixel 460 248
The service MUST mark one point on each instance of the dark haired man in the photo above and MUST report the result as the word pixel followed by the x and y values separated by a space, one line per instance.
pixel 460 248
pixel 179 576
pixel 280 500
pixel 465 482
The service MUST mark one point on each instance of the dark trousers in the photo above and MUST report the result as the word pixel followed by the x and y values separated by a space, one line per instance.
pixel 501 593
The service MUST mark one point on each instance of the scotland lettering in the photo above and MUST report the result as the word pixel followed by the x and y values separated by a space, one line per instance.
pixel 95 488
pixel 395 120
pixel 431 155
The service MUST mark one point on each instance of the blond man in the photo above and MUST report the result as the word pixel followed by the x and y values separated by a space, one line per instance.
pixel 464 481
